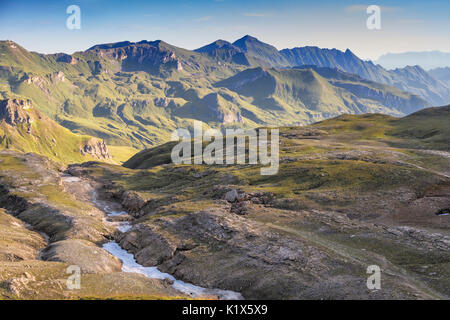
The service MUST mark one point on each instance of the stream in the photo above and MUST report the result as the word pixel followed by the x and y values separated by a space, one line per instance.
pixel 129 264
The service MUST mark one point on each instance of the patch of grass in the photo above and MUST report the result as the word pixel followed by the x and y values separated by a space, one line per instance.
pixel 58 197
pixel 122 153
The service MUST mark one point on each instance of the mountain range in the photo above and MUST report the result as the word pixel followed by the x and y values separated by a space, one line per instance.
pixel 133 95
pixel 426 59
pixel 263 54
pixel 442 74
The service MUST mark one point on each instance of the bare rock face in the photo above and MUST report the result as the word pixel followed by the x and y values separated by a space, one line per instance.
pixel 237 253
pixel 143 55
pixel 66 58
pixel 13 111
pixel 133 202
pixel 161 102
pixel 96 148
pixel 59 76
pixel 156 247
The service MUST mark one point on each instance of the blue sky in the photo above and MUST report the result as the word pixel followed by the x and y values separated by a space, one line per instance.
pixel 406 25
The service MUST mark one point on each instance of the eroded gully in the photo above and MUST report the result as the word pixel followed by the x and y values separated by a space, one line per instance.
pixel 129 263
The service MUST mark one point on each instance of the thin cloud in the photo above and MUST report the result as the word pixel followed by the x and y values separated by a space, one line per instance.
pixel 255 14
pixel 363 8
pixel 201 19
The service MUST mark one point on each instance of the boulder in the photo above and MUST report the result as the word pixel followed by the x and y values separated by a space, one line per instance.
pixel 83 253
pixel 232 196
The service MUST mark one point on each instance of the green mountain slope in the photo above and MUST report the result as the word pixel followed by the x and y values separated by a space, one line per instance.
pixel 26 129
pixel 425 129
pixel 225 51
pixel 411 79
pixel 261 52
pixel 308 95
pixel 135 94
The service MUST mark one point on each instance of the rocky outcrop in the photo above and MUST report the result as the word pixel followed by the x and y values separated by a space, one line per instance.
pixel 240 201
pixel 82 253
pixel 161 102
pixel 96 149
pixel 27 271
pixel 133 201
pixel 39 82
pixel 58 77
pixel 66 58
pixel 13 111
pixel 43 208
pixel 27 129
pixel 141 56
pixel 216 249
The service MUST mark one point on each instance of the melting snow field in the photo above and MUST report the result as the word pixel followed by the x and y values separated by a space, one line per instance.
pixel 70 179
pixel 130 265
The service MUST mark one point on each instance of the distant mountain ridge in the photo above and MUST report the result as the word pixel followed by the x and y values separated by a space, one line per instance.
pixel 426 59
pixel 442 74
pixel 136 93
pixel 325 91
pixel 262 54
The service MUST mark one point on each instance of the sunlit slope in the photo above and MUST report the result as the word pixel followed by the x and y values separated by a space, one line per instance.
pixel 24 128
pixel 427 129
pixel 135 94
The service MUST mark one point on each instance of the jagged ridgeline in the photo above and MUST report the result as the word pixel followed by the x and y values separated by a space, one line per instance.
pixel 133 95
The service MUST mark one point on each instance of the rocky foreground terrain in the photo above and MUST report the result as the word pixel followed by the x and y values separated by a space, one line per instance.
pixel 351 192
pixel 45 227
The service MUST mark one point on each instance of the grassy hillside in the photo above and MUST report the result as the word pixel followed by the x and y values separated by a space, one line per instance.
pixel 426 129
pixel 31 131
pixel 310 94
pixel 347 188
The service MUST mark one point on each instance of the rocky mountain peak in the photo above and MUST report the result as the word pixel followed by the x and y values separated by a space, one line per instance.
pixel 216 45
pixel 247 40
pixel 13 111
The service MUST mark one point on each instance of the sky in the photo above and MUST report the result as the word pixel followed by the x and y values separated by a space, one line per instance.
pixel 413 25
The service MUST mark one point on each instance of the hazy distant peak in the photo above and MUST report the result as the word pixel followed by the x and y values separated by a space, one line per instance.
pixel 426 59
